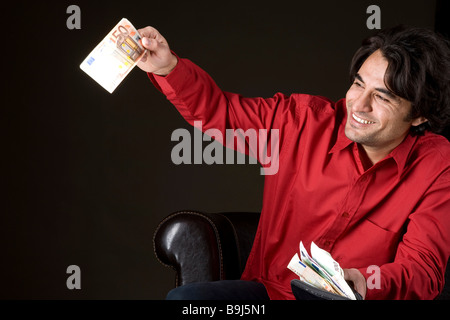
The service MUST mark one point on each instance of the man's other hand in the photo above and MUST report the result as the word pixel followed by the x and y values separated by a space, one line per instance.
pixel 357 279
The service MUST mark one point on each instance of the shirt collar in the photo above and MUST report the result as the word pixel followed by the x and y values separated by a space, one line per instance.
pixel 342 141
pixel 400 154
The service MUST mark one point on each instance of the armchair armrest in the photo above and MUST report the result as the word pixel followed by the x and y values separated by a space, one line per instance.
pixel 205 246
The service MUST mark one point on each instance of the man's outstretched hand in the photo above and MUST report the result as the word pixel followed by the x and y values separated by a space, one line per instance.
pixel 158 58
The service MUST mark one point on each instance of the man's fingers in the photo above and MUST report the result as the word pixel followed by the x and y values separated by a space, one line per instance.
pixel 358 280
pixel 151 39
pixel 151 33
pixel 148 32
pixel 157 57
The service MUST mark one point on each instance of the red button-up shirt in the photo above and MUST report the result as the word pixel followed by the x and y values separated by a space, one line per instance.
pixel 395 215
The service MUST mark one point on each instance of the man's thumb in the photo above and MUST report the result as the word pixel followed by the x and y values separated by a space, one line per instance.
pixel 146 43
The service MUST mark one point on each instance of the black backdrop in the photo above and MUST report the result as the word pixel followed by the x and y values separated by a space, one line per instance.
pixel 88 176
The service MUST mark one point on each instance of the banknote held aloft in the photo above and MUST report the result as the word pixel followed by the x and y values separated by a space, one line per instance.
pixel 115 56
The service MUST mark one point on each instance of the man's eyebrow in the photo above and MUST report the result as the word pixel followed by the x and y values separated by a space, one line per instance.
pixel 359 78
pixel 387 92
pixel 390 94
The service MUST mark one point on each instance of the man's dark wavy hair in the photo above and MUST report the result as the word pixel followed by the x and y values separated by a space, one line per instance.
pixel 418 71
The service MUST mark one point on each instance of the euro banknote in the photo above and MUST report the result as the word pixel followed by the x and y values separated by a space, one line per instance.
pixel 115 56
pixel 320 270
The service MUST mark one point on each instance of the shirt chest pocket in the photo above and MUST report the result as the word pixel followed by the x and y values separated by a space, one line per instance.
pixel 368 244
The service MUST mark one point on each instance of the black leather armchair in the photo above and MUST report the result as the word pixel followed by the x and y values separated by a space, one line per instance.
pixel 205 246
pixel 213 246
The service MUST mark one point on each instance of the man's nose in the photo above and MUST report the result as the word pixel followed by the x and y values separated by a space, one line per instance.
pixel 362 103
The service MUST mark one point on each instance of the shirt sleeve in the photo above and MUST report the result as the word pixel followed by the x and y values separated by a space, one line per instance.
pixel 198 99
pixel 419 266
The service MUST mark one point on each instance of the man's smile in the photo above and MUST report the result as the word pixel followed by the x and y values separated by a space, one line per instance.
pixel 360 120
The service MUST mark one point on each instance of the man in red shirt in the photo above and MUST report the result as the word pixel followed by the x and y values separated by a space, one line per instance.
pixel 367 178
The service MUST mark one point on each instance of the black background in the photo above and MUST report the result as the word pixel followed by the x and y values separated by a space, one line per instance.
pixel 88 176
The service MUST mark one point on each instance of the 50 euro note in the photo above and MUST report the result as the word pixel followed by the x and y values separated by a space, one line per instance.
pixel 115 56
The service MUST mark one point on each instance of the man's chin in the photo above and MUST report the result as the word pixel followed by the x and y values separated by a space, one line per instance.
pixel 355 136
pixel 351 134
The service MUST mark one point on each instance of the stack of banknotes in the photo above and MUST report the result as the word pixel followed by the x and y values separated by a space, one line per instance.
pixel 321 271
pixel 115 56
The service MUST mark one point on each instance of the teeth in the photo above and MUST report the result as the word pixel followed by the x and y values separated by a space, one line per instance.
pixel 361 120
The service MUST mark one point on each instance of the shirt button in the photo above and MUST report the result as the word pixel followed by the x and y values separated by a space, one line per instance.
pixel 327 243
pixel 345 215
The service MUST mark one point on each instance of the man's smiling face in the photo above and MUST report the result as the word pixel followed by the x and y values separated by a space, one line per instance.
pixel 377 119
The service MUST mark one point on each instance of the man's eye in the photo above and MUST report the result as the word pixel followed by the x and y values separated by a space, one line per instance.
pixel 357 84
pixel 382 98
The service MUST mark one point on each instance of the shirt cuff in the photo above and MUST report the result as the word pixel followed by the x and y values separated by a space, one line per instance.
pixel 161 82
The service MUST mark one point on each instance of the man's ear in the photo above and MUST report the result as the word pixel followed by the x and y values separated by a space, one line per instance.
pixel 418 121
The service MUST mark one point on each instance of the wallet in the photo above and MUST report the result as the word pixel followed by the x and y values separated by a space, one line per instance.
pixel 305 291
